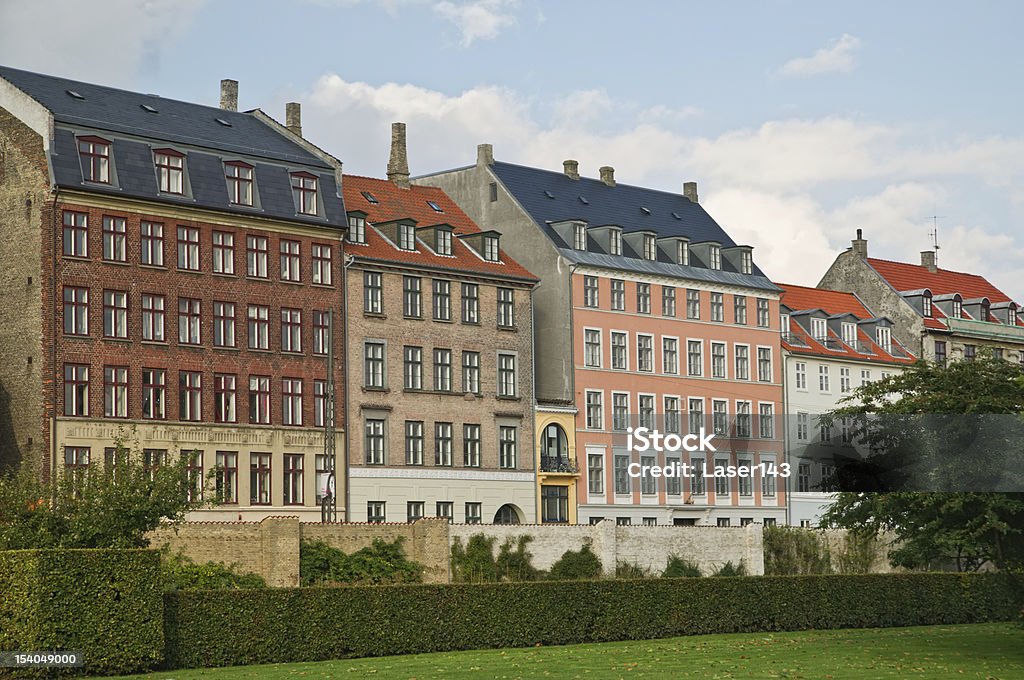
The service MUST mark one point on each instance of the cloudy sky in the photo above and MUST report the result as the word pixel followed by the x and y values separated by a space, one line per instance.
pixel 800 121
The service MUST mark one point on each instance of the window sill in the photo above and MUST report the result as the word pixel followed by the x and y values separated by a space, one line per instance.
pixel 443 321
pixel 412 318
pixel 376 389
pixel 374 315
pixel 227 275
pixel 228 348
pixel 292 353
pixel 259 350
pixel 322 285
pixel 155 267
pixel 470 323
pixel 501 397
pixel 510 329
pixel 291 282
pixel 155 343
pixel 121 263
pixel 251 277
pixel 121 341
pixel 78 258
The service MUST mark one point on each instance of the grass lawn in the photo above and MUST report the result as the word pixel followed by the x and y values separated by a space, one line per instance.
pixel 968 651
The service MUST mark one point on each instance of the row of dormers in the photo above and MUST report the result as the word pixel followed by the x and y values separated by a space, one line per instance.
pixel 403 235
pixel 841 332
pixel 954 306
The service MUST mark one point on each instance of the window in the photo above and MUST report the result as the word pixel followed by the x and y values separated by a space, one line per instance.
pixel 739 309
pixel 443 444
pixel 442 300
pixel 259 478
pixel 256 255
pixel 473 513
pixel 414 442
pixel 154 393
pixel 443 241
pixel 189 321
pixel 819 329
pixel 825 431
pixel 115 314
pixel 696 414
pixel 223 252
pixel 507 446
pixel 76 234
pixel 650 247
pixel 620 411
pixel 323 472
pixel 614 242
pixel 648 484
pixel 239 179
pixel 259 327
pixel 259 399
pixel 743 424
pixel 697 487
pixel 188 248
pixel 304 191
pixel 227 477
pixel 884 338
pixel 443 370
pixel 940 350
pixel 823 385
pixel 170 171
pixel 471 445
pixel 471 372
pixel 970 352
pixel 411 297
pixel 742 354
pixel 844 380
pixel 682 253
pixel 692 304
pixel 375 512
pixel 115 392
pixel 764 364
pixel 321 332
pixel 445 510
pixel 356 229
pixel 374 441
pixel 493 189
pixel 224 388
pixel 76 311
pixel 719 416
pixel 292 488
pixel 491 252
pixel 803 477
pixel 152 242
pixel 695 357
pixel 413 368
pixel 717 307
pixel 579 236
pixel 470 303
pixel 646 410
pixel 643 298
pixel 291 393
pixel 223 324
pixel 620 359
pixel 76 464
pixel 554 504
pixel 800 372
pixel 618 295
pixel 291 330
pixel 506 308
pixel 766 421
pixel 746 262
pixel 407 237
pixel 1011 316
pixel 621 475
pixel 645 353
pixel 763 313
pixel 623 521
pixel 668 301
pixel 670 356
pixel 592 347
pixel 722 489
pixel 373 293
pixel 114 236
pixel 673 419
pixel 718 360
pixel 506 375
pixel 595 410
pixel 714 257
pixel 190 392
pixel 595 473
pixel 94 154
pixel 291 268
pixel 850 334
pixel 590 291
pixel 319 403
pixel 802 425
pixel 373 365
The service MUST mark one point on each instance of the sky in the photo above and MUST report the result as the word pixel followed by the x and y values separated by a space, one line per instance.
pixel 800 121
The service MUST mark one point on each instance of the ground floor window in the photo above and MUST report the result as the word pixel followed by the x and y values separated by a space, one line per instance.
pixel 506 515
pixel 554 504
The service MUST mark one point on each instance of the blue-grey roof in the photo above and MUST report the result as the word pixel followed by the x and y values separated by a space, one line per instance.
pixel 551 197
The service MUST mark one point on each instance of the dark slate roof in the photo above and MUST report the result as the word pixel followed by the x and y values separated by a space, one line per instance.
pixel 622 205
pixel 642 266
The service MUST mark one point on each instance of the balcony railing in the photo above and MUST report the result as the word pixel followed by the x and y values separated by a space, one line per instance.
pixel 558 464
pixel 864 348
pixel 832 344
pixel 793 339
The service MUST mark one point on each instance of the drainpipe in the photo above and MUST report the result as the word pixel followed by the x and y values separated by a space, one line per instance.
pixel 347 261
pixel 53 343
pixel 785 436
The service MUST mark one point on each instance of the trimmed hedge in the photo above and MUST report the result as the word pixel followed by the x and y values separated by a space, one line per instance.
pixel 107 604
pixel 311 624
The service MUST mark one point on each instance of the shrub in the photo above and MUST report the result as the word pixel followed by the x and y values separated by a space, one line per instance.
pixel 381 562
pixel 678 567
pixel 730 569
pixel 474 563
pixel 790 551
pixel 180 572
pixel 624 569
pixel 515 564
pixel 858 553
pixel 575 565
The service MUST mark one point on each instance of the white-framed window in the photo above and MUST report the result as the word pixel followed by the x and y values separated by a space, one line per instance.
pixel 764 364
pixel 470 372
pixel 620 411
pixel 415 510
pixel 620 351
pixel 768 482
pixel 884 338
pixel 474 512
pixel 697 487
pixel 507 451
pixel 622 475
pixel 376 512
pixel 443 241
pixel 471 445
pixel 650 247
pixel 644 352
pixel 819 329
pixel 614 242
pixel 720 416
pixel 414 442
pixel 356 229
pixel 670 355
pixel 506 375
pixel 595 473
pixel 850 334
pixel 766 420
pixel 764 318
pixel 718 307
pixel 823 379
pixel 648 484
pixel 695 411
pixel 590 291
pixel 743 417
pixel 800 375
pixel 692 304
pixel 618 295
pixel 714 257
pixel 745 484
pixel 722 494
pixel 682 253
pixel 491 249
pixel 802 427
pixel 844 380
pixel 412 368
pixel 695 357
pixel 223 252
pixel 643 298
pixel 645 411
pixel 407 237
pixel 592 347
pixel 742 362
pixel 579 236
pixel 746 262
pixel 374 440
pixel 672 414
pixel 595 410
pixel 373 364
pixel 506 308
pixel 718 360
pixel 668 301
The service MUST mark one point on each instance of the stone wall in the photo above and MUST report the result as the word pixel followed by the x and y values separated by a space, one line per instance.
pixel 425 541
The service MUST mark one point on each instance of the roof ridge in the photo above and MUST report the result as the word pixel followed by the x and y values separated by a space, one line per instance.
pixel 597 180
pixel 938 270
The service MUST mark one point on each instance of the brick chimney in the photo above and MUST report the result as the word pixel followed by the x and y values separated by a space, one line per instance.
pixel 607 175
pixel 484 154
pixel 398 164
pixel 928 260
pixel 229 94
pixel 571 169
pixel 690 191
pixel 860 244
pixel 293 118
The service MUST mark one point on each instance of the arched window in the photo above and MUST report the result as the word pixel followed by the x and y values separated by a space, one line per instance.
pixel 507 514
pixel 926 302
pixel 555 444
pixel 984 310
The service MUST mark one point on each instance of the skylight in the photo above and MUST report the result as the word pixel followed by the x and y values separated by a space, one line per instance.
pixel 676 215
pixel 147 107
pixel 548 194
pixel 370 198
pixel 584 201
pixel 223 122
pixel 435 207
pixel 646 211
pixel 74 94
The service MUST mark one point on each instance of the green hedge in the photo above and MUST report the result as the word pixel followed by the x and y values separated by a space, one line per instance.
pixel 308 624
pixel 107 604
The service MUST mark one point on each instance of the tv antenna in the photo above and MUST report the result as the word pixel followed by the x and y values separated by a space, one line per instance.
pixel 934 233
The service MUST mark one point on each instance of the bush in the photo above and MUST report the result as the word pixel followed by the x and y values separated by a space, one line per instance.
pixel 678 567
pixel 104 603
pixel 179 572
pixel 381 562
pixel 575 565
pixel 789 551
pixel 208 628
pixel 474 563
pixel 515 564
pixel 730 569
pixel 631 570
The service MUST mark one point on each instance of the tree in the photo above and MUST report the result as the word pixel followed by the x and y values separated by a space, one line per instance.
pixel 944 427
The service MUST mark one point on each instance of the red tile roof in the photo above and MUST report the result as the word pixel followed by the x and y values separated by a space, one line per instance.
pixel 831 302
pixel 395 203
pixel 904 276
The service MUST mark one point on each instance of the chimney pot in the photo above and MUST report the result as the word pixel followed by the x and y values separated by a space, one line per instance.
pixel 229 94
pixel 293 117
pixel 860 244
pixel 928 260
pixel 571 169
pixel 398 164
pixel 484 154
pixel 690 191
pixel 607 175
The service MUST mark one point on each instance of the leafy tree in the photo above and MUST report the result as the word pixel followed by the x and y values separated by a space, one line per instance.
pixel 575 565
pixel 514 563
pixel 475 563
pixel 975 440
pixel 380 562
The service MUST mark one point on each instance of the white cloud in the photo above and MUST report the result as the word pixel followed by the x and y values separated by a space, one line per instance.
pixel 836 58
pixel 478 19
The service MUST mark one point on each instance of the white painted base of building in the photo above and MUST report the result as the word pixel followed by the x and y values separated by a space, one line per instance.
pixel 698 515
pixel 806 508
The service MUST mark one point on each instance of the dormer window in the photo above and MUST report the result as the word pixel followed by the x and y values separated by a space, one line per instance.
pixel 579 236
pixel 850 334
pixel 356 229
pixel 683 253
pixel 615 242
pixel 650 247
pixel 926 304
pixel 95 156
pixel 1011 317
pixel 715 256
pixel 240 179
pixel 407 237
pixel 819 329
pixel 304 189
pixel 443 242
pixel 170 171
pixel 883 336
pixel 984 311
pixel 958 309
pixel 746 262
pixel 491 248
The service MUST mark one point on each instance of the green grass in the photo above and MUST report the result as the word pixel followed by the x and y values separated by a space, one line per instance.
pixel 968 651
